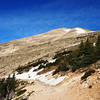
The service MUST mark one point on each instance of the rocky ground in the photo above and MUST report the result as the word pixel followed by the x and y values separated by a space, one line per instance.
pixel 71 88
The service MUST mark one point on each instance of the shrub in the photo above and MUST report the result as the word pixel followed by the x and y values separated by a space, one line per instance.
pixel 90 86
pixel 61 68
pixel 21 92
pixel 87 74
pixel 32 64
pixel 41 66
pixel 55 72
pixel 7 86
pixel 60 54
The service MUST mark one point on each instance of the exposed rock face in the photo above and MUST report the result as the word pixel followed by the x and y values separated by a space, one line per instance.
pixel 23 51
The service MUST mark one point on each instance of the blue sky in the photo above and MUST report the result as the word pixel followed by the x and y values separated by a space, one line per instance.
pixel 23 18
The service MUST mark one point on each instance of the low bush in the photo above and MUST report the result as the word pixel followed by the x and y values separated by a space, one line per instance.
pixel 55 72
pixel 7 87
pixel 61 68
pixel 60 54
pixel 21 92
pixel 28 66
pixel 41 66
pixel 87 74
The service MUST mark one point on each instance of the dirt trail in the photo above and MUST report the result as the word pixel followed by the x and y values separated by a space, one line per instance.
pixel 60 92
pixel 70 89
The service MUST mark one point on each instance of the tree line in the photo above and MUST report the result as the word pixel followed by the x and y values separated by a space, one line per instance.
pixel 86 54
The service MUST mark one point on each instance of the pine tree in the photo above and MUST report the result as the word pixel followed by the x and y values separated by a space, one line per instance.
pixel 89 53
pixel 7 86
pixel 98 47
pixel 81 49
pixel 88 48
pixel 85 55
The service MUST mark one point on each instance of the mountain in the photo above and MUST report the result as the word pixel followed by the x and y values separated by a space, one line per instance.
pixel 22 51
pixel 62 64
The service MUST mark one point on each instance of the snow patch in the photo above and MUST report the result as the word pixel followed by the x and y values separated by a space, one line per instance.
pixel 80 30
pixel 67 30
pixel 52 61
pixel 28 75
pixel 32 75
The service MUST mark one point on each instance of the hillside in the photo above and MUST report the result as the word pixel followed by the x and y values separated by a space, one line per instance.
pixel 58 65
pixel 44 46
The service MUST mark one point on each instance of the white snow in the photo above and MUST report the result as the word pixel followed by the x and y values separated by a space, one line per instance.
pixel 32 75
pixel 52 61
pixel 67 30
pixel 80 30
pixel 52 80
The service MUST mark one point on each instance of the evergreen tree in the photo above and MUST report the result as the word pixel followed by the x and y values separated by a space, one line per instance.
pixel 89 53
pixel 88 48
pixel 81 49
pixel 7 86
pixel 98 47
pixel 85 56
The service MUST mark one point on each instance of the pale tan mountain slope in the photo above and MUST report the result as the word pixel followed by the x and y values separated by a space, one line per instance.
pixel 71 89
pixel 23 51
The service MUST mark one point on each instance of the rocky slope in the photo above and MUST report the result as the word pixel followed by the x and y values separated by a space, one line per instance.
pixel 44 46
pixel 71 88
